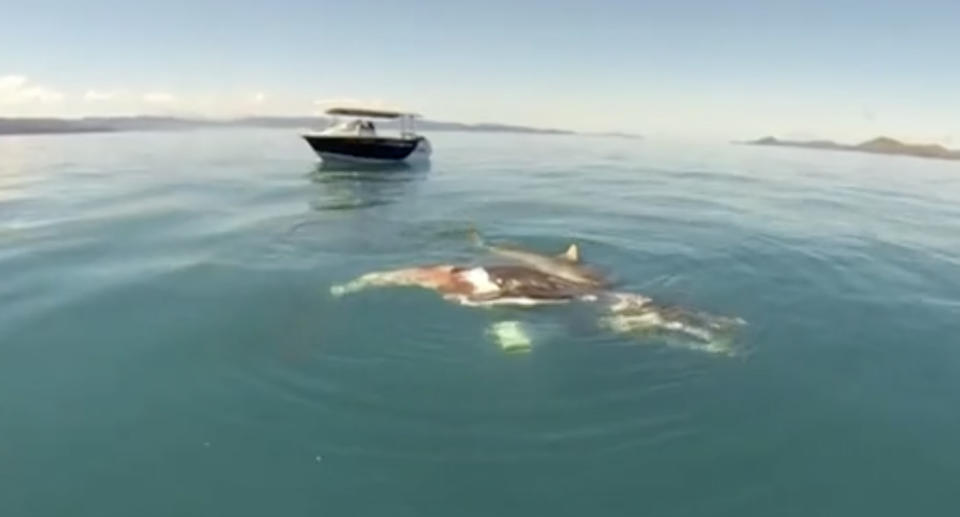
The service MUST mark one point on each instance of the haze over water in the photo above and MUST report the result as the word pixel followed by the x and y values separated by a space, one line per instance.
pixel 169 346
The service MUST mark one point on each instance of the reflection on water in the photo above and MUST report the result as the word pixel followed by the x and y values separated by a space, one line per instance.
pixel 387 167
pixel 350 186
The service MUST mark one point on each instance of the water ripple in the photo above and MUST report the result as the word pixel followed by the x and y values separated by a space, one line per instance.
pixel 166 305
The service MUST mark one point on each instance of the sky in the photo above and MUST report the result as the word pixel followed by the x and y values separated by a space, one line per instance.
pixel 841 69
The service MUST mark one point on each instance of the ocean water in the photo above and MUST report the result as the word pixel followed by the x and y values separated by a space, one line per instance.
pixel 169 344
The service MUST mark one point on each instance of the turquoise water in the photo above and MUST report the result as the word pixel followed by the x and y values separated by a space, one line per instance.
pixel 169 346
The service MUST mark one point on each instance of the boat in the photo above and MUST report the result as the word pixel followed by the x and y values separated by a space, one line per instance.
pixel 356 139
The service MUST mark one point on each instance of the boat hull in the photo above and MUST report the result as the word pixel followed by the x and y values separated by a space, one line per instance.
pixel 368 149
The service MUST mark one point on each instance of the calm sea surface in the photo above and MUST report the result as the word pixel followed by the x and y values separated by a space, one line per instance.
pixel 169 344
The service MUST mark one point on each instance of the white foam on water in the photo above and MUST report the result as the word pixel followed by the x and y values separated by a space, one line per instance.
pixel 628 301
pixel 679 334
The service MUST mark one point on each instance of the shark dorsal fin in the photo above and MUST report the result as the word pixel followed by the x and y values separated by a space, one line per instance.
pixel 572 254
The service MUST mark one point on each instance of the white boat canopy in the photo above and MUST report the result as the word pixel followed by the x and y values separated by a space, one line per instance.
pixel 371 113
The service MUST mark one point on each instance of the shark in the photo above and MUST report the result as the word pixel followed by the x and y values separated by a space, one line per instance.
pixel 566 265
pixel 538 279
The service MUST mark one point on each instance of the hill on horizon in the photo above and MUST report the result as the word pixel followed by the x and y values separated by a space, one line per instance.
pixel 20 126
pixel 878 145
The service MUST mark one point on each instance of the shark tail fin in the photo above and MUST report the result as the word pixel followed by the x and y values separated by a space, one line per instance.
pixel 572 254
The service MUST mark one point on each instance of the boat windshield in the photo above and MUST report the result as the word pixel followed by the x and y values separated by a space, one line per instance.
pixel 355 127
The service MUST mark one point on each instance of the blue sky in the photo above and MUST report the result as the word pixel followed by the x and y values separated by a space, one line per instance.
pixel 839 69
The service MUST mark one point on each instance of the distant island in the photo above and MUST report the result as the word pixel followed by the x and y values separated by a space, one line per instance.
pixel 879 145
pixel 617 134
pixel 21 126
